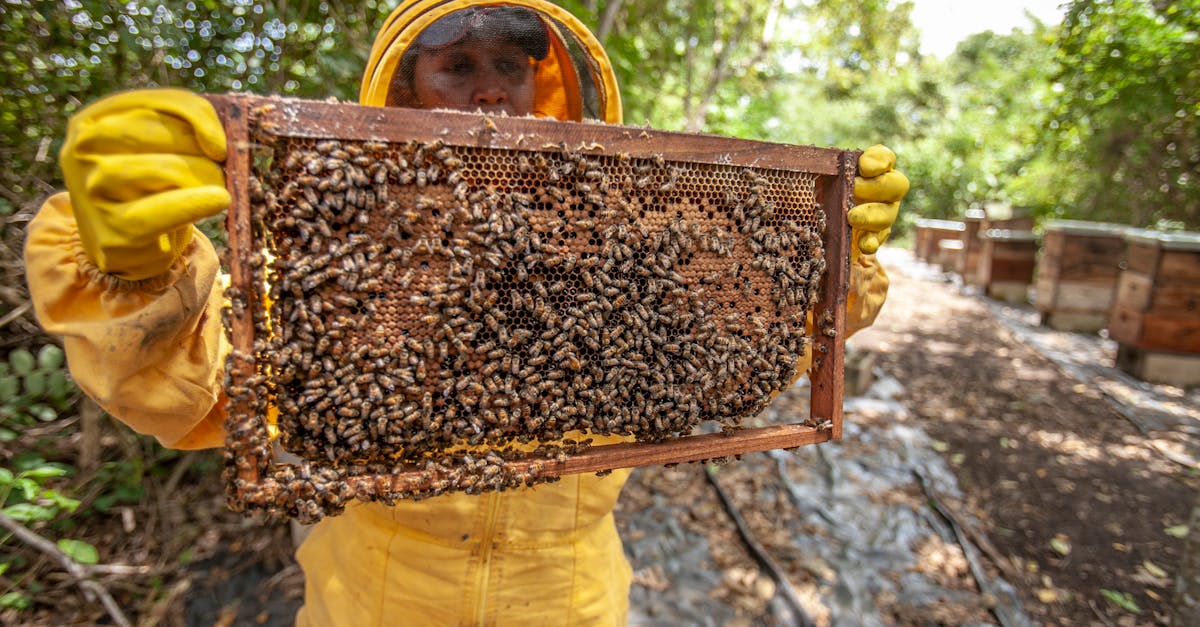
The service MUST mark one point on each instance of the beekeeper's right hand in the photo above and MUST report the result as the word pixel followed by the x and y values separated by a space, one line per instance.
pixel 141 167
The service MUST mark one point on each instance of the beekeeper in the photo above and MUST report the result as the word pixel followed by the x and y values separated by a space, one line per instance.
pixel 117 269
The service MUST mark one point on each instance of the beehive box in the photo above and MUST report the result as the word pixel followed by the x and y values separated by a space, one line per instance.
pixel 1006 264
pixel 972 247
pixel 1077 274
pixel 431 301
pixel 949 253
pixel 1155 319
pixel 931 232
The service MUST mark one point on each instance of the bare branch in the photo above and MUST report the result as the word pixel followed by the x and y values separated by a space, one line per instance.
pixel 92 589
pixel 603 29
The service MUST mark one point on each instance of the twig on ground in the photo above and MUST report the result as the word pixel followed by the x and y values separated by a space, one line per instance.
pixel 15 313
pixel 782 585
pixel 164 605
pixel 1099 614
pixel 90 433
pixel 1007 609
pixel 177 473
pixel 92 589
pixel 981 541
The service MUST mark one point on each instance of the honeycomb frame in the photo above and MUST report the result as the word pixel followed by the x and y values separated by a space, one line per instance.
pixel 757 228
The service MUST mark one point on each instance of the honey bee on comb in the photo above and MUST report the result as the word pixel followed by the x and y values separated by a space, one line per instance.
pixel 399 301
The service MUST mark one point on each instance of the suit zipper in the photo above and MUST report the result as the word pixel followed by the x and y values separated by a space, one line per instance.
pixel 485 559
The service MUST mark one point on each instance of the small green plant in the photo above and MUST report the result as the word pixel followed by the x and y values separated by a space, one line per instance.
pixel 26 498
pixel 33 388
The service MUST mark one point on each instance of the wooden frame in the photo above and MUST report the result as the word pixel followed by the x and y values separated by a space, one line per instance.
pixel 255 463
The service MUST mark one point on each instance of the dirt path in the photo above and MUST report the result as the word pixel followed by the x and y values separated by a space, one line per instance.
pixel 1073 489
pixel 980 481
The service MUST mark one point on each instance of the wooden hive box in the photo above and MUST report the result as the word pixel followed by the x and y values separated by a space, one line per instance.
pixel 934 231
pixel 1007 263
pixel 949 253
pixel 1156 316
pixel 430 301
pixel 921 237
pixel 972 247
pixel 1077 274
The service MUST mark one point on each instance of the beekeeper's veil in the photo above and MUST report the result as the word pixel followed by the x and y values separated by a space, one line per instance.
pixel 573 77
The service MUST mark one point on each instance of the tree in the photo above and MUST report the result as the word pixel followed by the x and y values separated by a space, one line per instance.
pixel 687 65
pixel 981 126
pixel 1128 108
pixel 56 57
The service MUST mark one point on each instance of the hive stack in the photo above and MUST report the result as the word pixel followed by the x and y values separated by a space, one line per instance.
pixel 1156 317
pixel 1077 274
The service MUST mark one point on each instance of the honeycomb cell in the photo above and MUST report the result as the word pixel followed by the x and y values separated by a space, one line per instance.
pixel 443 306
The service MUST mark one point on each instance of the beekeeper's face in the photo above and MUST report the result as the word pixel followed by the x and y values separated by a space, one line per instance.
pixel 473 74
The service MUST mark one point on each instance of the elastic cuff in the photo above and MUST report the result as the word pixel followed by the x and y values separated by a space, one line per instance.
pixel 113 283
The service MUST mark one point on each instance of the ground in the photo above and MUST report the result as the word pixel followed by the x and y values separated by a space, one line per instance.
pixel 995 472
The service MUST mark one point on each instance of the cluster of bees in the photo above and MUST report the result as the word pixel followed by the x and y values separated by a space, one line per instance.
pixel 449 309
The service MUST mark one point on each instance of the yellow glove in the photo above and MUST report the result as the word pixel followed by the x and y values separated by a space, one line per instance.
pixel 878 190
pixel 141 167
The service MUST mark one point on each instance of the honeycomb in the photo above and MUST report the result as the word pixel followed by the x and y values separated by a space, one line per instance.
pixel 452 308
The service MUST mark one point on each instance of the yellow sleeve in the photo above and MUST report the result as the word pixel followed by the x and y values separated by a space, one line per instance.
pixel 868 290
pixel 150 352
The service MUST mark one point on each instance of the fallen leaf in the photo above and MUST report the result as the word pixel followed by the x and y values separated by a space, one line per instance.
pixel 1061 544
pixel 1047 595
pixel 940 446
pixel 1177 531
pixel 1153 569
pixel 1124 600
pixel 652 578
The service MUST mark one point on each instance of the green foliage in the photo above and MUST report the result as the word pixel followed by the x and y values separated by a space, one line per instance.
pixel 1127 114
pixel 26 497
pixel 853 44
pixel 693 65
pixel 121 484
pixel 56 57
pixel 15 600
pixel 79 551
pixel 33 389
pixel 980 125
